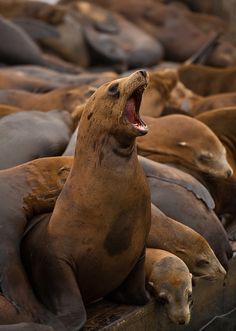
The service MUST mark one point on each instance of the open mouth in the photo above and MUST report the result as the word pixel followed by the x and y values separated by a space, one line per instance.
pixel 131 111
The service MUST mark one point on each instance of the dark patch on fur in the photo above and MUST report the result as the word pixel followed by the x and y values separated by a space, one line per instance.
pixel 119 237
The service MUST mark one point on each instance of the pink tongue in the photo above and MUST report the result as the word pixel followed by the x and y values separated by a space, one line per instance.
pixel 130 111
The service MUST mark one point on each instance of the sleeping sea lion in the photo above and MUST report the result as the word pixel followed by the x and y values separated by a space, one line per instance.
pixel 105 157
pixel 222 123
pixel 206 81
pixel 62 79
pixel 111 38
pixel 181 197
pixel 27 8
pixel 170 282
pixel 156 96
pixel 175 139
pixel 170 25
pixel 33 135
pixel 16 47
pixel 187 244
pixel 62 98
pixel 16 80
pixel 212 102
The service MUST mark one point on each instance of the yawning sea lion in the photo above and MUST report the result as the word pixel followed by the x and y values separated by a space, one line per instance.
pixel 105 156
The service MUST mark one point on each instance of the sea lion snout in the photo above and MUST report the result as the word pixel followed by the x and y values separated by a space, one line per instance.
pixel 229 173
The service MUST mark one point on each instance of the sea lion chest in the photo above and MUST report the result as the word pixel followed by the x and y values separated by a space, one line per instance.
pixel 105 230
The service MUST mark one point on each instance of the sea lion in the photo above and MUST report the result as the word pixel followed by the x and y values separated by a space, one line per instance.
pixel 156 96
pixel 27 8
pixel 170 282
pixel 111 38
pixel 20 81
pixel 181 197
pixel 33 135
pixel 168 24
pixel 18 47
pixel 184 242
pixel 111 114
pixel 62 98
pixel 206 81
pixel 175 139
pixel 212 102
pixel 222 123
pixel 30 189
pixel 62 79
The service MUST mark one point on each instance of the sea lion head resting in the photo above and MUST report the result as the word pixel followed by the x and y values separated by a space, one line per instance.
pixel 171 284
pixel 187 142
pixel 182 241
pixel 120 101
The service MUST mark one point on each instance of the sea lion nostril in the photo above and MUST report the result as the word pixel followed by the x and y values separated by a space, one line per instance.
pixel 143 73
pixel 181 322
pixel 229 173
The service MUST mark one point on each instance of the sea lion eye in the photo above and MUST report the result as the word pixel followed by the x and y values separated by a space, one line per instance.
pixel 190 297
pixel 113 90
pixel 206 156
pixel 162 298
pixel 202 263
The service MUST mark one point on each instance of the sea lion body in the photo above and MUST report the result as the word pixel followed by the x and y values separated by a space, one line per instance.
pixel 62 98
pixel 33 135
pixel 182 241
pixel 175 139
pixel 18 47
pixel 207 81
pixel 212 102
pixel 170 282
pixel 58 78
pixel 181 197
pixel 222 123
pixel 25 190
pixel 17 80
pixel 106 158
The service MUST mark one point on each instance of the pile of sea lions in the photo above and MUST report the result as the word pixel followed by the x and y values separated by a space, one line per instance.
pixel 115 183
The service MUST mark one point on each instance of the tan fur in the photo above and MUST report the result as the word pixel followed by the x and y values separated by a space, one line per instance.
pixel 175 139
pixel 170 280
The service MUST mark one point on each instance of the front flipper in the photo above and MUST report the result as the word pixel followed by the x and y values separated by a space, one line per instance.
pixel 57 288
pixel 132 291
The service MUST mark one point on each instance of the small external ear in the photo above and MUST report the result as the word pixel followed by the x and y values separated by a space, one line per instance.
pixel 77 113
